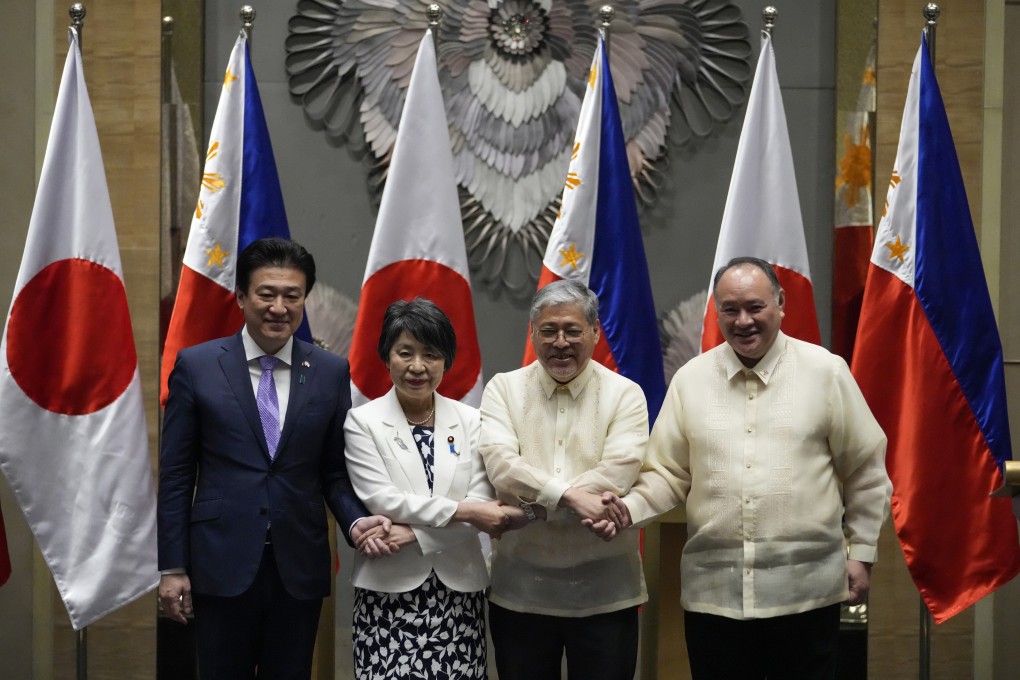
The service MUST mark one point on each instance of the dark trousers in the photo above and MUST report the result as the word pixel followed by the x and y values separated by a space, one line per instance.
pixel 795 647
pixel 531 646
pixel 263 633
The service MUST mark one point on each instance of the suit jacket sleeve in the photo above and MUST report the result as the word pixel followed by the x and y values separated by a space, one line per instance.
pixel 336 485
pixel 178 467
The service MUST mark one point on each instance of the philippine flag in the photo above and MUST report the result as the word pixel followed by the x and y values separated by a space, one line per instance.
pixel 240 201
pixel 597 240
pixel 73 442
pixel 418 245
pixel 929 361
pixel 853 238
pixel 762 214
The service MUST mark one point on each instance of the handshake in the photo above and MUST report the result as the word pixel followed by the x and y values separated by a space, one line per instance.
pixel 604 514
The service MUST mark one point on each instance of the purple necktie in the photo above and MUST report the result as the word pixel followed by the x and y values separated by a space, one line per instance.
pixel 269 405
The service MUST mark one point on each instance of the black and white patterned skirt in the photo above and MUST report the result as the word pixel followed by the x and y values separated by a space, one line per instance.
pixel 429 632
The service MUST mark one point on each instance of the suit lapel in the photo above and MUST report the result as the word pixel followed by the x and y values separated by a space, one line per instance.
pixel 235 369
pixel 448 435
pixel 402 447
pixel 302 371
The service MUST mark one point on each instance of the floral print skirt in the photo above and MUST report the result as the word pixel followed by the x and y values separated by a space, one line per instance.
pixel 429 632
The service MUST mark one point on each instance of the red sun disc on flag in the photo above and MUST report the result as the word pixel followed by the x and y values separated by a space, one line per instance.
pixel 406 280
pixel 69 341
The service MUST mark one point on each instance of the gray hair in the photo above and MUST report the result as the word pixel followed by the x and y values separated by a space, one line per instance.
pixel 566 292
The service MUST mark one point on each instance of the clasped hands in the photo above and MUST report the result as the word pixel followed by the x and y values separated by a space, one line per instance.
pixel 377 536
pixel 605 514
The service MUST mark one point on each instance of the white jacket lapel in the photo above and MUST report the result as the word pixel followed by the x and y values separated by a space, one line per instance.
pixel 447 445
pixel 403 450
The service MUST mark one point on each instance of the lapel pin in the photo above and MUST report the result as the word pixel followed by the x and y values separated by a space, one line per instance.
pixel 305 364
pixel 449 440
pixel 400 443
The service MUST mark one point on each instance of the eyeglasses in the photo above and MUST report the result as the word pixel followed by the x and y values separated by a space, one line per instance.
pixel 569 334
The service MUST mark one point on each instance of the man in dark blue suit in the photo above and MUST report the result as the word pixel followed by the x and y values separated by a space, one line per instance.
pixel 252 443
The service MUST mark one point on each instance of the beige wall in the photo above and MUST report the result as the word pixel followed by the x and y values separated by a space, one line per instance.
pixel 1003 614
pixel 17 189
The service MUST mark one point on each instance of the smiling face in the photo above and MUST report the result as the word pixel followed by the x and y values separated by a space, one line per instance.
pixel 416 369
pixel 750 313
pixel 563 341
pixel 273 306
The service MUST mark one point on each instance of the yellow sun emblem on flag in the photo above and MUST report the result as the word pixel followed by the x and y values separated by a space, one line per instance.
pixel 217 256
pixel 211 181
pixel 577 148
pixel 855 166
pixel 897 250
pixel 571 257
pixel 228 78
pixel 573 180
pixel 591 76
pixel 894 182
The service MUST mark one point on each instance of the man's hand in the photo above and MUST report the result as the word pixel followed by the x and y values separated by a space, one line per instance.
pixel 859 574
pixel 375 545
pixel 373 526
pixel 175 595
pixel 616 510
pixel 604 528
pixel 517 518
pixel 371 537
pixel 584 504
pixel 490 516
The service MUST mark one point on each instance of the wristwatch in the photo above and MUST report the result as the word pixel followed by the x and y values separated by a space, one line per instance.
pixel 529 511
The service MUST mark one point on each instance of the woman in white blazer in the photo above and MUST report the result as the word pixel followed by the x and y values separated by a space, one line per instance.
pixel 412 456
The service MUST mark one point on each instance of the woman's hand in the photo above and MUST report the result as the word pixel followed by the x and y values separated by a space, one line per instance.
pixel 518 518
pixel 383 541
pixel 488 517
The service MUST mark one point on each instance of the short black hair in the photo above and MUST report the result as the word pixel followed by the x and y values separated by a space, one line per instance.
pixel 425 322
pixel 274 252
pixel 761 264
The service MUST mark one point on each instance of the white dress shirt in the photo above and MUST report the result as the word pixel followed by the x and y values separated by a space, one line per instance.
pixel 782 468
pixel 281 373
pixel 540 438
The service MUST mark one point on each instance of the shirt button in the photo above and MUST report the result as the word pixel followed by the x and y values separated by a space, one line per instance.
pixel 561 442
pixel 562 410
pixel 750 429
pixel 748 466
pixel 557 470
pixel 747 571
pixel 750 396
pixel 747 500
